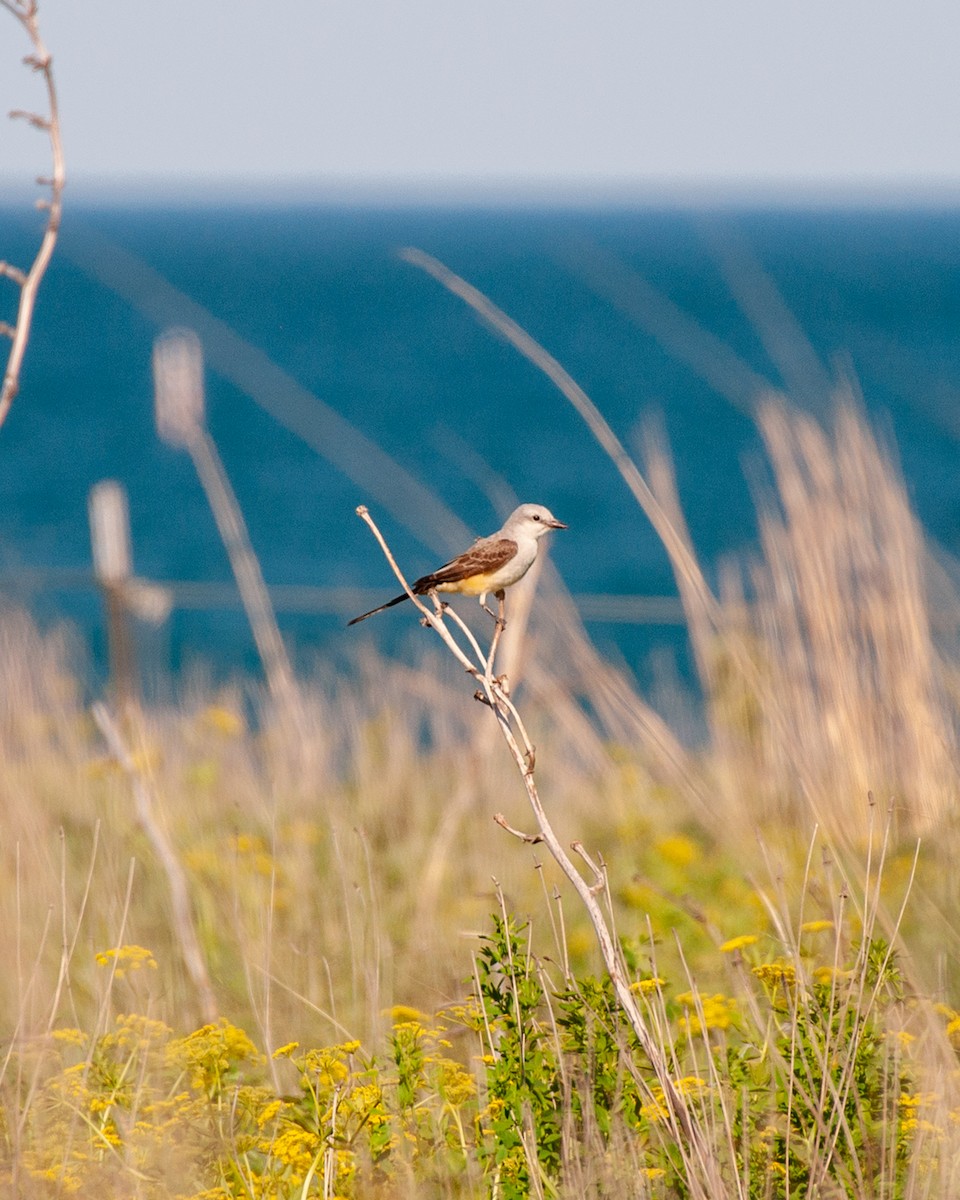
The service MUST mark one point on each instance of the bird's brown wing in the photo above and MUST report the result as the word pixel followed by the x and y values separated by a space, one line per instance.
pixel 481 559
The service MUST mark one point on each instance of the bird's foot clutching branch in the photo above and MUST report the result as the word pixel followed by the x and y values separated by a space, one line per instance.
pixel 440 608
pixel 499 625
pixel 500 615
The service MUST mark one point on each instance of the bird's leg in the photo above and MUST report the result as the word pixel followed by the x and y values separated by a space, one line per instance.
pixel 440 605
pixel 500 681
pixel 499 615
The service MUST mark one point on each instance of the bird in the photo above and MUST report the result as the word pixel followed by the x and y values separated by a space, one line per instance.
pixel 491 564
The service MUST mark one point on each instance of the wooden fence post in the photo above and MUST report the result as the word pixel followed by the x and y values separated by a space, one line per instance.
pixel 112 566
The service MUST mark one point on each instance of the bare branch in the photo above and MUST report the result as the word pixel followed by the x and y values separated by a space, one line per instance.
pixel 435 620
pixel 599 874
pixel 32 118
pixel 14 273
pixel 532 839
pixel 494 692
pixel 25 11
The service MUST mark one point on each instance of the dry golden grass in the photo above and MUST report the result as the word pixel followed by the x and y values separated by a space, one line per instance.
pixel 345 863
pixel 822 676
pixel 364 850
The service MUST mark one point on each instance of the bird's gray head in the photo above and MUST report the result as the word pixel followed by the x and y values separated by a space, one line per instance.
pixel 531 520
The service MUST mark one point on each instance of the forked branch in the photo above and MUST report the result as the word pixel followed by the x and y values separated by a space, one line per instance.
pixel 25 11
pixel 493 691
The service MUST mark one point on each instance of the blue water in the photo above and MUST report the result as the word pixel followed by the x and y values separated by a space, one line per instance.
pixel 322 293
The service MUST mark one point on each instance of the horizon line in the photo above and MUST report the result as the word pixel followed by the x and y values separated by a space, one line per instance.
pixel 409 192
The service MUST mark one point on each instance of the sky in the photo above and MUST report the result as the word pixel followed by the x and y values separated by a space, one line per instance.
pixel 596 97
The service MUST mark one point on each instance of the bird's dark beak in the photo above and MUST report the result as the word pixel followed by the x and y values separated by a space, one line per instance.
pixel 555 524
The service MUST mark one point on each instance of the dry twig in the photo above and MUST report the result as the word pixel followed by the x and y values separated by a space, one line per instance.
pixel 493 692
pixel 25 11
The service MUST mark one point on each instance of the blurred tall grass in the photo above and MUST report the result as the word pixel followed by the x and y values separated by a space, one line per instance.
pixel 342 868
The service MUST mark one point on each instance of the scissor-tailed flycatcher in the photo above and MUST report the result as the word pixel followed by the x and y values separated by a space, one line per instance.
pixel 491 564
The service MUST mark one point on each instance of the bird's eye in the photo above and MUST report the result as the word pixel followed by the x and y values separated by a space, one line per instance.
pixel 536 516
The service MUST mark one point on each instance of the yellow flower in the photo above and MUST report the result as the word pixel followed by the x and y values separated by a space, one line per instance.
pixel 455 1085
pixel 127 958
pixel 223 720
pixel 826 975
pixel 714 1012
pixel 678 850
pixel 66 1180
pixel 247 843
pixel 815 926
pixel 690 1085
pixel 776 974
pixel 402 1014
pixel 643 986
pixel 468 1014
pixel 211 1053
pixel 70 1037
pixel 266 1115
pixel 656 1110
pixel 136 1032
pixel 739 943
pixel 365 1097
pixel 296 1147
pixel 287 1050
pixel 346 1165
pixel 326 1064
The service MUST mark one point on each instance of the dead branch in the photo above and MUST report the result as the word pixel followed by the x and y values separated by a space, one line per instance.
pixel 493 690
pixel 25 11
pixel 531 839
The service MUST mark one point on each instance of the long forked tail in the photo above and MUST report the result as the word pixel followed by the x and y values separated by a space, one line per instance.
pixel 373 611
